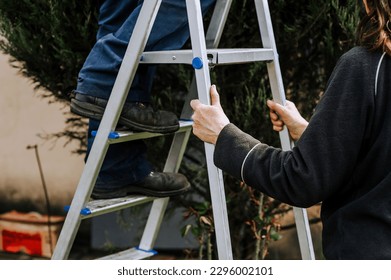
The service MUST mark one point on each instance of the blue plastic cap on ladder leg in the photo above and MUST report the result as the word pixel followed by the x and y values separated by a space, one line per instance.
pixel 112 135
pixel 197 63
pixel 147 251
pixel 84 211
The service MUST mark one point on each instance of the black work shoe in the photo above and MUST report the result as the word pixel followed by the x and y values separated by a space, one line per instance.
pixel 158 184
pixel 135 115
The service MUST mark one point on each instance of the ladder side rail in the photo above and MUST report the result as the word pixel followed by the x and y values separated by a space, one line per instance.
pixel 110 118
pixel 155 218
pixel 156 215
pixel 276 83
pixel 212 40
pixel 177 150
pixel 304 233
pixel 268 41
pixel 219 205
pixel 274 70
pixel 217 23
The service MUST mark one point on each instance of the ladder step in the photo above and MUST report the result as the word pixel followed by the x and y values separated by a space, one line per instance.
pixel 130 254
pixel 216 56
pixel 124 136
pixel 103 206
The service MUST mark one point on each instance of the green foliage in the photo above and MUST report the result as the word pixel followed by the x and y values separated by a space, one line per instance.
pixel 48 41
pixel 311 36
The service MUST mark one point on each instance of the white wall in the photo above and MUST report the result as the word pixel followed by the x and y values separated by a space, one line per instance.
pixel 23 115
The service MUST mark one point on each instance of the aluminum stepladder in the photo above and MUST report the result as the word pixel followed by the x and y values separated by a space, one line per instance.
pixel 200 57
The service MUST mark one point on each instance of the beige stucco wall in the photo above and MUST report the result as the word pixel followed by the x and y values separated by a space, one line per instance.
pixel 23 116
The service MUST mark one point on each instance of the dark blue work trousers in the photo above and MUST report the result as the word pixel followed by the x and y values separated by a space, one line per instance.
pixel 126 163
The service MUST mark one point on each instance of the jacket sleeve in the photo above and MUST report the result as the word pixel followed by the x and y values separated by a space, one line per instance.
pixel 326 154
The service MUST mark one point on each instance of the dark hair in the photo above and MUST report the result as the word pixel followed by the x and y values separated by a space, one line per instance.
pixel 374 30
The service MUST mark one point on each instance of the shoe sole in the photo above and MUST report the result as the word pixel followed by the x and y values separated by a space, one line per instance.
pixel 88 110
pixel 132 190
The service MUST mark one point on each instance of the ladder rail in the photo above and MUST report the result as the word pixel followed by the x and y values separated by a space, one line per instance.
pixel 223 240
pixel 212 40
pixel 217 23
pixel 159 206
pixel 278 92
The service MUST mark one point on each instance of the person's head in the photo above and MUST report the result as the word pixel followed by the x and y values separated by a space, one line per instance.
pixel 374 30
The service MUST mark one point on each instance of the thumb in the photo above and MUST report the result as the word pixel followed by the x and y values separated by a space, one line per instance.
pixel 274 106
pixel 214 96
pixel 194 104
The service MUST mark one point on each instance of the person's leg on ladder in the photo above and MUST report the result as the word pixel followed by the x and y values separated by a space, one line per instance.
pixel 125 169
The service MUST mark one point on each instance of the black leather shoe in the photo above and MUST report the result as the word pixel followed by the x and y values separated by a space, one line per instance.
pixel 158 184
pixel 135 115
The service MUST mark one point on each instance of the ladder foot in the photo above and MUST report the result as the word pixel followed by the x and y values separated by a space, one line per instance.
pixel 131 254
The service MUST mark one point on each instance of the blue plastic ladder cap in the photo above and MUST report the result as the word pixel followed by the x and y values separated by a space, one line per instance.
pixel 112 135
pixel 147 251
pixel 84 211
pixel 197 63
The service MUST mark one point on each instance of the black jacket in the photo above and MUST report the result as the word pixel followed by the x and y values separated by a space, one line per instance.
pixel 343 159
